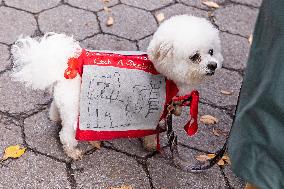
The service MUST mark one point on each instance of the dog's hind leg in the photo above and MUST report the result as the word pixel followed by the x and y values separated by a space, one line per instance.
pixel 54 113
pixel 150 143
pixel 66 96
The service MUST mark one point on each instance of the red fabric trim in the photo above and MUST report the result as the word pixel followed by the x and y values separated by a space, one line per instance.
pixel 75 66
pixel 138 62
pixel 90 135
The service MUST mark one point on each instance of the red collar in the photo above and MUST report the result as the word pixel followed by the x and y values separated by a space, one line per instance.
pixel 191 126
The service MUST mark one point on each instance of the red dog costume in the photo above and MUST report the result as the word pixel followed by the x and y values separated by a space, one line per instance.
pixel 123 96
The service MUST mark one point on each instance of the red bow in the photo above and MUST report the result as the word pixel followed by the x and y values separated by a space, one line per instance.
pixel 75 66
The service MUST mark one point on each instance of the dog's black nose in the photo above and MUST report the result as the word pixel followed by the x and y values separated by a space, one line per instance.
pixel 212 66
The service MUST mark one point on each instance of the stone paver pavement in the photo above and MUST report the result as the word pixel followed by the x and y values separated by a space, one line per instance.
pixel 24 112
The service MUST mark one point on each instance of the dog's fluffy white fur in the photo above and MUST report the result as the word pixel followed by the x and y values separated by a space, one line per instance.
pixel 176 41
pixel 186 49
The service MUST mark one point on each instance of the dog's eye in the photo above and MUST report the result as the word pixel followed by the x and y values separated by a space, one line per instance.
pixel 211 52
pixel 195 57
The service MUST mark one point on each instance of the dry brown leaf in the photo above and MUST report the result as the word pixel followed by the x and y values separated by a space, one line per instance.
pixel 96 144
pixel 106 1
pixel 122 187
pixel 160 17
pixel 250 39
pixel 106 9
pixel 205 157
pixel 221 162
pixel 110 21
pixel 202 157
pixel 215 132
pixel 210 156
pixel 227 159
pixel 13 152
pixel 208 119
pixel 226 92
pixel 211 4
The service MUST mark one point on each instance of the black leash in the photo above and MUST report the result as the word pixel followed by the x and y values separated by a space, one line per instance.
pixel 172 141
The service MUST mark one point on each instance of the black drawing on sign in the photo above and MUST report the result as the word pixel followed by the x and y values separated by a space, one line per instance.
pixel 114 105
pixel 88 110
pixel 134 105
pixel 105 87
pixel 148 94
pixel 109 121
pixel 121 125
pixel 153 101
pixel 96 115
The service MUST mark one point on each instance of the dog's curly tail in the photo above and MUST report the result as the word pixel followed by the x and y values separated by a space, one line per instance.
pixel 40 62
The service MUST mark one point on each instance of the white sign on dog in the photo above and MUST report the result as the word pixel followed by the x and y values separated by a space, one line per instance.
pixel 120 99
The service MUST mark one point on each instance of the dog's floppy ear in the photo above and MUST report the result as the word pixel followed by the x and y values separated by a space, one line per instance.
pixel 158 51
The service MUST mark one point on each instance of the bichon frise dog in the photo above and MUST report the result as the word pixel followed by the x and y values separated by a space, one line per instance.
pixel 185 49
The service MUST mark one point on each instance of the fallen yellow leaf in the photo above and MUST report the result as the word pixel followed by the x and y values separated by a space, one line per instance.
pixel 96 144
pixel 250 39
pixel 110 21
pixel 208 119
pixel 226 92
pixel 210 156
pixel 13 152
pixel 160 17
pixel 122 187
pixel 221 162
pixel 226 159
pixel 202 158
pixel 211 4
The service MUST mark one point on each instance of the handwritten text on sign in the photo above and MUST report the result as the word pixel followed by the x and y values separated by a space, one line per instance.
pixel 119 99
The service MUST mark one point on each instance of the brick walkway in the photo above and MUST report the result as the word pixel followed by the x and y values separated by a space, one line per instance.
pixel 23 112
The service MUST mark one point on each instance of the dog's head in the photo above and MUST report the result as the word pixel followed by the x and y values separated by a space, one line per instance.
pixel 186 49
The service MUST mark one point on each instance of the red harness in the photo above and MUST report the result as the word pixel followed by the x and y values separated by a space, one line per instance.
pixel 139 62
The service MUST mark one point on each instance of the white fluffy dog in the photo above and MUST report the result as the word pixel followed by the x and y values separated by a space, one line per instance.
pixel 186 49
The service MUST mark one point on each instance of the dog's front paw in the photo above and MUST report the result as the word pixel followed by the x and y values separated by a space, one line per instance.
pixel 73 153
pixel 150 143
